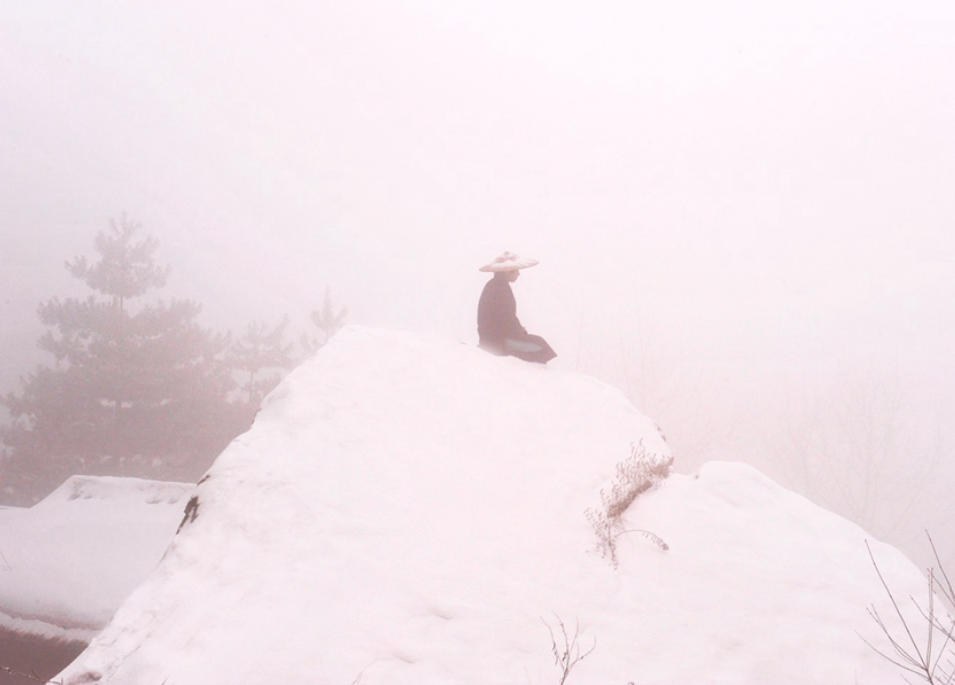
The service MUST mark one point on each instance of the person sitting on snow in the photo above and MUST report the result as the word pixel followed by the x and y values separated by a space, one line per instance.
pixel 499 330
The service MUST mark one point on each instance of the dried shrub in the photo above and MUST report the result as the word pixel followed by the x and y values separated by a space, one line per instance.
pixel 635 475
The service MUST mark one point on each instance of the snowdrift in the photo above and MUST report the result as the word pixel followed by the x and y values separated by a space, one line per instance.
pixel 69 561
pixel 413 511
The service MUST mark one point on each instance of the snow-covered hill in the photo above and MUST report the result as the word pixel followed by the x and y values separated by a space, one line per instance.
pixel 413 511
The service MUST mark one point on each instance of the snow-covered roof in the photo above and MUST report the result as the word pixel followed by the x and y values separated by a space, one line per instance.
pixel 69 561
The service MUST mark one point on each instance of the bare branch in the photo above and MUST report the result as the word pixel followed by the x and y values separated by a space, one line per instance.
pixel 909 655
pixel 569 655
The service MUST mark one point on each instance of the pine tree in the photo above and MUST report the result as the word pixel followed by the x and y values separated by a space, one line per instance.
pixel 328 323
pixel 259 350
pixel 133 390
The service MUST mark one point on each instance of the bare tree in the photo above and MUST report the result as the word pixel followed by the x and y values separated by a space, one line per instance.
pixel 688 402
pixel 843 446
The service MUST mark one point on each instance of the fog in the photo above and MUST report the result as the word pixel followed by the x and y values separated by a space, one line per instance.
pixel 743 212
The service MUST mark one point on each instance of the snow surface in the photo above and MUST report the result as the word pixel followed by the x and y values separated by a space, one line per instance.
pixel 412 511
pixel 69 561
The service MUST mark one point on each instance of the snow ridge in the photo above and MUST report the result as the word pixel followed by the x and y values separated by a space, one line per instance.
pixel 410 510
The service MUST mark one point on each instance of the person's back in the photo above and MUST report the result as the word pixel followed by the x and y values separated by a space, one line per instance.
pixel 499 330
pixel 497 314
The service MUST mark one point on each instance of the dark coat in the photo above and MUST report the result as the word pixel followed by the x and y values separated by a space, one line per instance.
pixel 497 315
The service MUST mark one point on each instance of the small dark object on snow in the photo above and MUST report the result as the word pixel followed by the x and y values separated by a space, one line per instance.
pixel 191 513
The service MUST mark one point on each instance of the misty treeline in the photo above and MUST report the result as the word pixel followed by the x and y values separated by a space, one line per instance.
pixel 859 438
pixel 137 387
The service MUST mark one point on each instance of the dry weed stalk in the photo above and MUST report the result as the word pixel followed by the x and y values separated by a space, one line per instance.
pixel 569 655
pixel 635 475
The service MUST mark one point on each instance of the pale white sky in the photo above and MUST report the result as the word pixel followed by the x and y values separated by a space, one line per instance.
pixel 756 179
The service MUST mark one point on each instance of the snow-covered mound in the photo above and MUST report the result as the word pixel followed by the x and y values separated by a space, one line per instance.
pixel 413 511
pixel 69 561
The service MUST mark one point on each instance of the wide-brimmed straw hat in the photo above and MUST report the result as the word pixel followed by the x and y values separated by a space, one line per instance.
pixel 508 261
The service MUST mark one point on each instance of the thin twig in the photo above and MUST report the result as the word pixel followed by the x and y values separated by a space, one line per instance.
pixel 913 659
pixel 570 656
pixel 921 660
pixel 947 589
